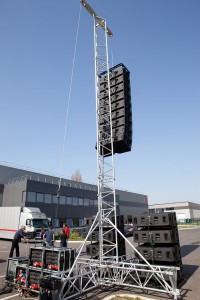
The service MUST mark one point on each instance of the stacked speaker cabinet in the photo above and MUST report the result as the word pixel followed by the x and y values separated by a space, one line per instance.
pixel 158 240
pixel 121 110
pixel 109 236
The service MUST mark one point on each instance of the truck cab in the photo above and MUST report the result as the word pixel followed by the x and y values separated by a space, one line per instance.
pixel 34 220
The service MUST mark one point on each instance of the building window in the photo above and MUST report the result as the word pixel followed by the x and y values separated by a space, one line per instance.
pixel 169 208
pixel 74 201
pixel 91 202
pixel 81 222
pixel 62 200
pixel 86 202
pixel 31 197
pixel 69 200
pixel 80 201
pixel 40 197
pixel 47 198
pixel 54 199
pixel 69 222
pixel 96 202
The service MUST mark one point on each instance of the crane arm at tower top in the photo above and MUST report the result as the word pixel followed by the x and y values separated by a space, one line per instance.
pixel 94 15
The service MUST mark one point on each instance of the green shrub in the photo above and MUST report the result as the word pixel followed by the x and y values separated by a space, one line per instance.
pixel 57 236
pixel 74 235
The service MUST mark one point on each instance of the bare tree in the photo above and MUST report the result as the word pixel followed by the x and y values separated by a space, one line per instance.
pixel 77 176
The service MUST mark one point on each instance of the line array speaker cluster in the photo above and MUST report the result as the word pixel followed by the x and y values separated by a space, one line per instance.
pixel 118 85
pixel 158 240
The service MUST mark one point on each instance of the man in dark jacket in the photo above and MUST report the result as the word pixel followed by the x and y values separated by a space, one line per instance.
pixel 49 236
pixel 19 234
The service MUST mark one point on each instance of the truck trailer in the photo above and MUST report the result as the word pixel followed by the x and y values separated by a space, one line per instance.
pixel 12 218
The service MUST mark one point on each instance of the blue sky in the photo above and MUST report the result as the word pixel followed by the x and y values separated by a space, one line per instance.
pixel 157 40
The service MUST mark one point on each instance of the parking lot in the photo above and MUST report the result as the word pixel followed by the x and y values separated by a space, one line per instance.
pixel 190 251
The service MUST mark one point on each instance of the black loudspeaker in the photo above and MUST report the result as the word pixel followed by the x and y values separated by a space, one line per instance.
pixel 160 238
pixel 120 221
pixel 161 253
pixel 155 220
pixel 93 250
pixel 121 111
pixel 108 234
pixel 156 236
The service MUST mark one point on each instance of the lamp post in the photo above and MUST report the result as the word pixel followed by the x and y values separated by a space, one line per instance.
pixel 58 200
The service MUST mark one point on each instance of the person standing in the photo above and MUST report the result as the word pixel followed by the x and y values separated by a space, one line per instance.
pixel 49 236
pixel 19 234
pixel 42 236
pixel 67 232
pixel 63 239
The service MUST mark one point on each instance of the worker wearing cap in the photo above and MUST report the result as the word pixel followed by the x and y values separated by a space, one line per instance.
pixel 19 234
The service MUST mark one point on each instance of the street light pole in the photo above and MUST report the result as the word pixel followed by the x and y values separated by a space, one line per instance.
pixel 58 201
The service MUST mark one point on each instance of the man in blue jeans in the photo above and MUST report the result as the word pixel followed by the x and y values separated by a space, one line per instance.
pixel 49 237
pixel 19 234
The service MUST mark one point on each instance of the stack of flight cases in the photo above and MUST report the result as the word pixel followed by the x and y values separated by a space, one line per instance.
pixel 158 240
pixel 45 262
pixel 109 236
pixel 42 270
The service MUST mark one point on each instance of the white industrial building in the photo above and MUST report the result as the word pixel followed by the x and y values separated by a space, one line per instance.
pixel 184 210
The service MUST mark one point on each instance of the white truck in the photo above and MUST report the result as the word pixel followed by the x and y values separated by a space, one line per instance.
pixel 12 218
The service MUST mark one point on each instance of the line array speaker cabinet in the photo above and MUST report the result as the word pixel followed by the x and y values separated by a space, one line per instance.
pixel 108 234
pixel 156 236
pixel 160 253
pixel 120 222
pixel 154 220
pixel 109 237
pixel 93 250
pixel 121 111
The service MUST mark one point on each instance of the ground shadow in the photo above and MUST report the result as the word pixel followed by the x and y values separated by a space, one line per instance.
pixel 187 249
pixel 184 294
pixel 188 270
pixel 2 261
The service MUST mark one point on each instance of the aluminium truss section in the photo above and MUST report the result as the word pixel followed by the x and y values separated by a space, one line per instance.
pixel 105 155
pixel 89 274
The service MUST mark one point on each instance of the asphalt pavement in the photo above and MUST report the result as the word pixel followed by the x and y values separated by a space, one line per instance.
pixel 190 251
